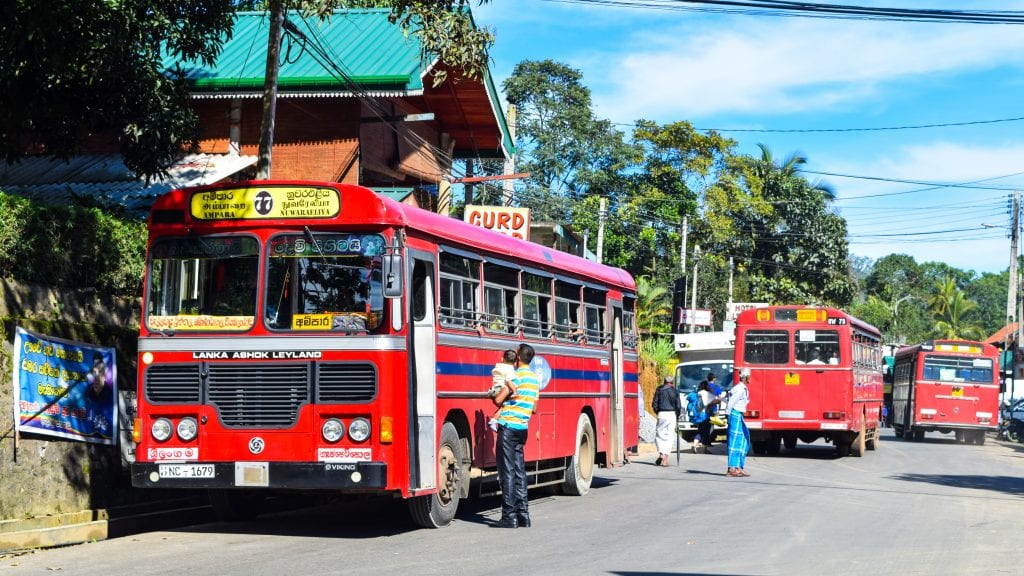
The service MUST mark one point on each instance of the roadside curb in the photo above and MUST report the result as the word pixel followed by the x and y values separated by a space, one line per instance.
pixel 94 525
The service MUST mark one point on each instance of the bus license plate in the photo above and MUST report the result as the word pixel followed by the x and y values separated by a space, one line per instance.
pixel 186 470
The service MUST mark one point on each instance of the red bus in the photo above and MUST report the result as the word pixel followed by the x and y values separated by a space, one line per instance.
pixel 816 372
pixel 946 386
pixel 318 337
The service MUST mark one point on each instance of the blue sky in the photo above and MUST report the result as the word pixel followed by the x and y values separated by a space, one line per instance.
pixel 771 73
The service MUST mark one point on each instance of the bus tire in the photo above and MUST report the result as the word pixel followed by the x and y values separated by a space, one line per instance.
pixel 235 505
pixel 918 435
pixel 789 441
pixel 772 447
pixel 859 444
pixel 580 471
pixel 437 510
pixel 876 435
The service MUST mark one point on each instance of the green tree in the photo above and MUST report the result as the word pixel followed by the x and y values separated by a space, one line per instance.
pixel 72 72
pixel 955 320
pixel 653 306
pixel 989 291
pixel 797 250
pixel 568 152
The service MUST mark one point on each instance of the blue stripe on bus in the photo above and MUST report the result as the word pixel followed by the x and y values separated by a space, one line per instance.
pixel 461 369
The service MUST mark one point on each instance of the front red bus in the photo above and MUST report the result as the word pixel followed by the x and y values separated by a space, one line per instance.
pixel 946 386
pixel 318 337
pixel 815 373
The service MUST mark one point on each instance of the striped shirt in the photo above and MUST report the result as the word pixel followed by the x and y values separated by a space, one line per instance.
pixel 516 412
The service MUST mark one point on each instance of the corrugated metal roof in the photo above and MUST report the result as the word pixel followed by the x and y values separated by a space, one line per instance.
pixel 360 44
pixel 105 177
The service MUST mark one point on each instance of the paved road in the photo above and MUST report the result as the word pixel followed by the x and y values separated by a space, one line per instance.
pixel 909 508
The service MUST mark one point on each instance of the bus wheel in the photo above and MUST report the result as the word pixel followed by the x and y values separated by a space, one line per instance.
pixel 235 505
pixel 918 435
pixel 979 437
pixel 438 509
pixel 789 441
pixel 580 471
pixel 859 442
pixel 772 447
pixel 876 435
pixel 961 438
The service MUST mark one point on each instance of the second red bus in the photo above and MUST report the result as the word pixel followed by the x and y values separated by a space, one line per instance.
pixel 815 373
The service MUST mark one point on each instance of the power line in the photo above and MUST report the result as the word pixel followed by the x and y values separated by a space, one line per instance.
pixel 815 10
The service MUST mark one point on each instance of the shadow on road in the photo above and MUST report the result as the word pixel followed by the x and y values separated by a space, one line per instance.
pixel 362 518
pixel 1011 485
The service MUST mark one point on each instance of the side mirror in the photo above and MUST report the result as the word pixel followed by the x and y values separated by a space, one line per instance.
pixel 393 274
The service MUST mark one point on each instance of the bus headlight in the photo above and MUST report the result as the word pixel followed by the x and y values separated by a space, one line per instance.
pixel 359 429
pixel 333 430
pixel 187 429
pixel 161 429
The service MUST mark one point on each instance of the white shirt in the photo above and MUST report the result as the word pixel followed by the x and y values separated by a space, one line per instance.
pixel 739 397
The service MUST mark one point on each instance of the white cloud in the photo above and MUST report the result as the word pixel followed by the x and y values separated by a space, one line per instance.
pixel 773 66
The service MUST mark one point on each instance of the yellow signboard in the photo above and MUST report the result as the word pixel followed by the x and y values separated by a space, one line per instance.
pixel 311 322
pixel 810 315
pixel 958 391
pixel 792 379
pixel 200 322
pixel 265 203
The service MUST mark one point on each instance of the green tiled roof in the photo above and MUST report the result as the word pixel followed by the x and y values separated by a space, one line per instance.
pixel 359 44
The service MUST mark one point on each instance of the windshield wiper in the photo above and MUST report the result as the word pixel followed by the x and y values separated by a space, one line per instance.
pixel 316 246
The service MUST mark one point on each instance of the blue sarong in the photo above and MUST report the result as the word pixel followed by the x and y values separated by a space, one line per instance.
pixel 739 440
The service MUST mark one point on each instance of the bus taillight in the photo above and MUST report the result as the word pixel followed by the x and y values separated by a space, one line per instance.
pixel 834 415
pixel 753 414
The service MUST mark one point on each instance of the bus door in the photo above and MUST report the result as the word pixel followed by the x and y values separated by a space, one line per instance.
pixel 422 371
pixel 617 447
pixel 824 375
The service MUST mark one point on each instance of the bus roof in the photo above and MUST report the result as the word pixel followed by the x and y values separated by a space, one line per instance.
pixel 953 346
pixel 753 316
pixel 357 205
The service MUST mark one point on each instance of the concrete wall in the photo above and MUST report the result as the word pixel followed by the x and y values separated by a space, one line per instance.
pixel 41 475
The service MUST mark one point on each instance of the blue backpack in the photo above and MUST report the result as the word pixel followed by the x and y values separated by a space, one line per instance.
pixel 695 408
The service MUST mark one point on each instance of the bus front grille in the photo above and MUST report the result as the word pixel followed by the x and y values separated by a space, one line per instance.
pixel 258 395
pixel 343 382
pixel 173 384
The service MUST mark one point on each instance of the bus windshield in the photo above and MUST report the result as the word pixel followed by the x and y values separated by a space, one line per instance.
pixel 203 283
pixel 325 282
pixel 689 375
pixel 957 369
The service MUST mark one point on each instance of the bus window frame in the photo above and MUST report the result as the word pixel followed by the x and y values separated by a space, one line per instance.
pixel 452 313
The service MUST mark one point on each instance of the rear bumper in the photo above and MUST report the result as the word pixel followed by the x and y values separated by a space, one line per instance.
pixel 360 476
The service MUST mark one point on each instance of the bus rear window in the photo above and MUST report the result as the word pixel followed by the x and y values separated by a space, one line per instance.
pixel 958 369
pixel 766 347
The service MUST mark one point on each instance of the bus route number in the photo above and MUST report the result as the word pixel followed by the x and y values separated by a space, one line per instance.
pixel 837 321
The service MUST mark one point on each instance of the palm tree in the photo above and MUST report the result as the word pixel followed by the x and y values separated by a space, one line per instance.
pixel 653 305
pixel 944 292
pixel 955 324
pixel 775 177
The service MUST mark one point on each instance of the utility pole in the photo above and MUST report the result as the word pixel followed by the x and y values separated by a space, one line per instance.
pixel 1011 295
pixel 692 316
pixel 270 89
pixel 600 230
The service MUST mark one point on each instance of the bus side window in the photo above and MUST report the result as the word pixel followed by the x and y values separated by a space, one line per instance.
pixel 421 276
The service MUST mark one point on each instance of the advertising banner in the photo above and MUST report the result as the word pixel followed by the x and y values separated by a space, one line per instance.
pixel 64 388
pixel 514 222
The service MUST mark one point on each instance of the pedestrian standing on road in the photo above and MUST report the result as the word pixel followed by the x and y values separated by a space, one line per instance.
pixel 739 436
pixel 668 408
pixel 513 426
pixel 710 401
